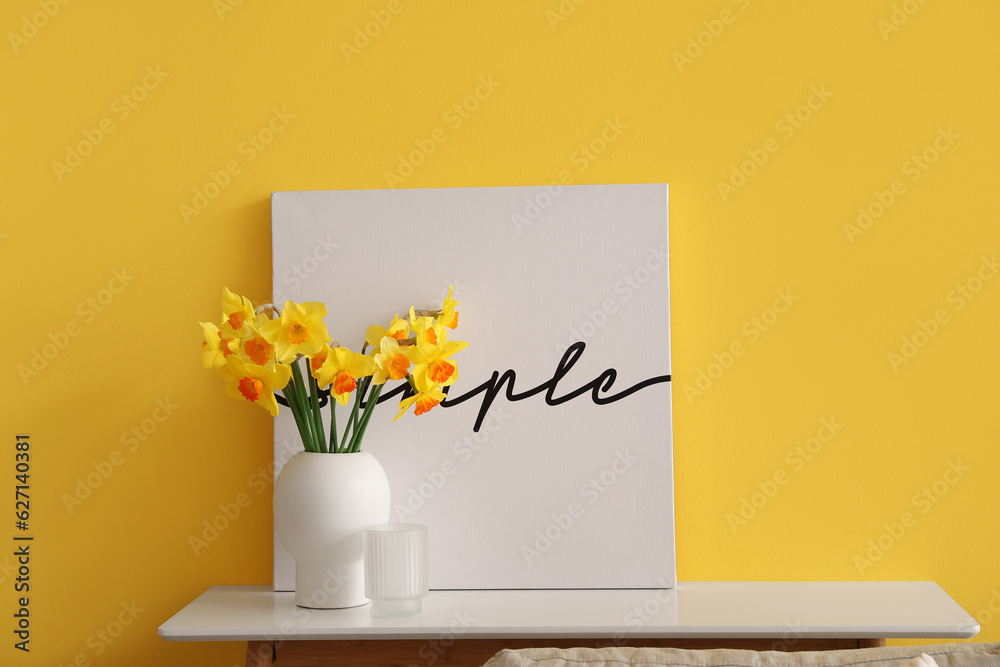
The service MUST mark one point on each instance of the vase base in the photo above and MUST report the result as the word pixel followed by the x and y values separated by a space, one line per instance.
pixel 313 605
pixel 396 608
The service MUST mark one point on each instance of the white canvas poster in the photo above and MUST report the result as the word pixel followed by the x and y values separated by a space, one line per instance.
pixel 549 465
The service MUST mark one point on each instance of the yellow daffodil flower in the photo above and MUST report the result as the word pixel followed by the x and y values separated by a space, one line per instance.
pixel 256 383
pixel 299 330
pixel 390 362
pixel 342 369
pixel 426 329
pixel 254 352
pixel 430 360
pixel 317 360
pixel 215 348
pixel 427 396
pixel 237 315
pixel 398 330
pixel 256 348
pixel 449 311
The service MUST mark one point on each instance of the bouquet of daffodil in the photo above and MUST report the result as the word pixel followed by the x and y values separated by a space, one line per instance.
pixel 258 352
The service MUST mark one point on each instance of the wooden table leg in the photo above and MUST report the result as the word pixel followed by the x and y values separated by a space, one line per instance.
pixel 260 654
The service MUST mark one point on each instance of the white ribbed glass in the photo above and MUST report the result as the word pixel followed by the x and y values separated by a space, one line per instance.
pixel 396 568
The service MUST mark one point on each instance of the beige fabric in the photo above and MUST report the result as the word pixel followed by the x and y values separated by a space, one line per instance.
pixel 946 655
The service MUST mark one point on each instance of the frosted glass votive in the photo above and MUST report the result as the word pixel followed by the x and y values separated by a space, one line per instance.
pixel 396 568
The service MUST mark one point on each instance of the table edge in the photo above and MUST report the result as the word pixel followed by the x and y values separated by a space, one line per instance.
pixel 375 634
pixel 964 633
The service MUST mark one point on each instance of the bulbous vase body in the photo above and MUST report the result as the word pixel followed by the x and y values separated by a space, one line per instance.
pixel 322 503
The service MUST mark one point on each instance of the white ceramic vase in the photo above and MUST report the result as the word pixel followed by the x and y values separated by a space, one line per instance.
pixel 322 503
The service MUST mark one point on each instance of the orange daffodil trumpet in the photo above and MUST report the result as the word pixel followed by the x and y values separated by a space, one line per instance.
pixel 426 329
pixel 256 383
pixel 215 348
pixel 390 361
pixel 237 314
pixel 317 360
pixel 398 330
pixel 258 351
pixel 341 370
pixel 449 311
pixel 427 396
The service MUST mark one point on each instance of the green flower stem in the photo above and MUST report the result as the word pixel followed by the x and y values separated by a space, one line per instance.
pixel 294 402
pixel 347 429
pixel 317 416
pixel 333 424
pixel 289 393
pixel 369 409
pixel 303 407
pixel 352 423
pixel 299 388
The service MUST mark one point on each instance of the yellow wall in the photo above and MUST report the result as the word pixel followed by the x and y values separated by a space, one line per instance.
pixel 880 96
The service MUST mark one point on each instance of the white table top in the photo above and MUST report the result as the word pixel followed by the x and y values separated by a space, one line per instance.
pixel 693 609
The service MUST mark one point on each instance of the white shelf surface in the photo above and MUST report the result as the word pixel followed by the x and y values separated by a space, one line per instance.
pixel 919 609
